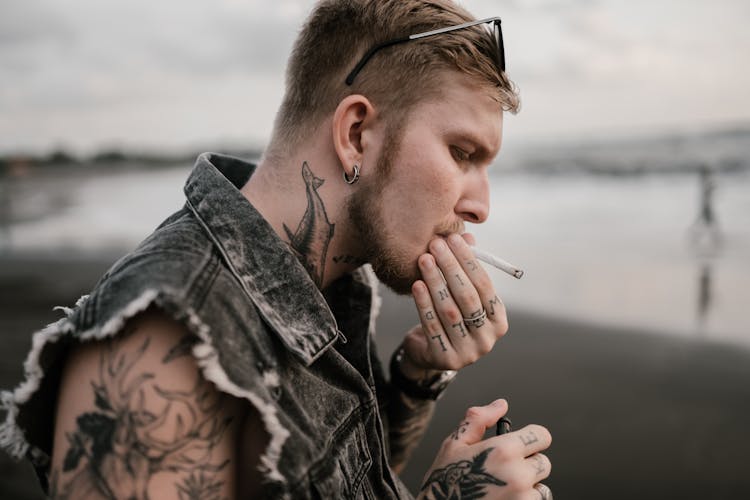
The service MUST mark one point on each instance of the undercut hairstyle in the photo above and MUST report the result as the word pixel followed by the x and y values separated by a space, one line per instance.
pixel 338 33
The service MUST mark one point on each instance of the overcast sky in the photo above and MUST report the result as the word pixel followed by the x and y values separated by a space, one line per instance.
pixel 88 74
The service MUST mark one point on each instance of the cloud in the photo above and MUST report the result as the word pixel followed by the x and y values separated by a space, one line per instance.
pixel 86 72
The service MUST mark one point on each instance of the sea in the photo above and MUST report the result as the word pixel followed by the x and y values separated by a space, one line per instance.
pixel 646 233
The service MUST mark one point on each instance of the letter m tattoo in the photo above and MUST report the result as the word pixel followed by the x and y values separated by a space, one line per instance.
pixel 493 302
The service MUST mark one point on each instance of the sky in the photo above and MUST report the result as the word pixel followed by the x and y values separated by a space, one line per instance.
pixel 86 75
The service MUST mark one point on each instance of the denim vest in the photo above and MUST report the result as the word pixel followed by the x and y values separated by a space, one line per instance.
pixel 266 334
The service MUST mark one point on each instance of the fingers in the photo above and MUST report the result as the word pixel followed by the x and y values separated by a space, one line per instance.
pixel 539 467
pixel 523 442
pixel 460 287
pixel 461 315
pixel 479 278
pixel 476 422
pixel 439 344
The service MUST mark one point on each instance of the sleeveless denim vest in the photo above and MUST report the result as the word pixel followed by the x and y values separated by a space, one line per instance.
pixel 266 334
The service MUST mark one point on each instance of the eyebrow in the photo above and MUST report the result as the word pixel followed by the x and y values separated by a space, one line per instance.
pixel 481 149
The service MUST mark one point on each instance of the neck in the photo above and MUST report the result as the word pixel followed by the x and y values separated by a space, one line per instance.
pixel 303 198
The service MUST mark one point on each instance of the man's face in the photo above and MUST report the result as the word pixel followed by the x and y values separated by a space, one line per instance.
pixel 429 179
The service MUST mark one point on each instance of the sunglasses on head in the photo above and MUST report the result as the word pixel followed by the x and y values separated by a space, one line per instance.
pixel 497 34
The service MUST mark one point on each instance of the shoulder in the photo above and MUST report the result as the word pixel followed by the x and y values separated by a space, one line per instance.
pixel 135 418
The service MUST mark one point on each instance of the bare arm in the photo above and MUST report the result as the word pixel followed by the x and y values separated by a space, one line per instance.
pixel 135 419
pixel 408 420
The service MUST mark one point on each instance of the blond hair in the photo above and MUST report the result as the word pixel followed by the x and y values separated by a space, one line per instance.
pixel 337 34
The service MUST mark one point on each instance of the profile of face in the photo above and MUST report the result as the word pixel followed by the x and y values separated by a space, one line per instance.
pixel 428 180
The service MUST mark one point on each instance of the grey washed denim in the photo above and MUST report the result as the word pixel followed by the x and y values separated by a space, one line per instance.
pixel 267 334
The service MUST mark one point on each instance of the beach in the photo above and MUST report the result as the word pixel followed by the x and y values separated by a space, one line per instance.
pixel 633 414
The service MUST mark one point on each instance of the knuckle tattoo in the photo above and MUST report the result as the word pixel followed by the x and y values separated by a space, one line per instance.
pixel 456 434
pixel 439 338
pixel 540 465
pixel 492 304
pixel 459 328
pixel 528 437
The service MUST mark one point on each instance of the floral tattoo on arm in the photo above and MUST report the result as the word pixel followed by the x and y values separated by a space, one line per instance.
pixel 117 448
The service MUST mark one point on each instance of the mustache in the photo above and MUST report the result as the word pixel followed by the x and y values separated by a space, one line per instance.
pixel 453 227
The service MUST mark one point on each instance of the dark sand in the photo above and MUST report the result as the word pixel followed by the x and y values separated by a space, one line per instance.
pixel 633 415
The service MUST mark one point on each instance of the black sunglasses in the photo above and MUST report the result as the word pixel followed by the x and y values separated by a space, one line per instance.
pixel 497 34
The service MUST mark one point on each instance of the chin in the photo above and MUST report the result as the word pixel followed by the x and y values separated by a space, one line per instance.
pixel 398 276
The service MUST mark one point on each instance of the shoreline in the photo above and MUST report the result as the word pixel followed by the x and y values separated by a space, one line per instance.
pixel 633 414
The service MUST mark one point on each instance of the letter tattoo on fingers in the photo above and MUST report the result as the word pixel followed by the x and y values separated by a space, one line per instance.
pixel 472 265
pixel 461 429
pixel 440 339
pixel 494 302
pixel 460 328
pixel 529 438
pixel 538 464
pixel 443 294
pixel 429 315
pixel 460 281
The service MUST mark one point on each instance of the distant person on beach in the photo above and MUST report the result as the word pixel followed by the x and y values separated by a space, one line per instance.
pixel 708 186
pixel 705 233
pixel 231 355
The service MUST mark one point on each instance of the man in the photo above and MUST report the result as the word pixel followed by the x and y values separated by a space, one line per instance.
pixel 231 354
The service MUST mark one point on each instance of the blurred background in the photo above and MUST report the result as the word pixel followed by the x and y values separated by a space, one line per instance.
pixel 623 190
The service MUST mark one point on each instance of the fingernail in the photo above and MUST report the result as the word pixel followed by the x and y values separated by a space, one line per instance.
pixel 455 239
pixel 440 246
pixel 499 402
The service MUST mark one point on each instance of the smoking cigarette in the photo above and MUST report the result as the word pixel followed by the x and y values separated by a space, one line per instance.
pixel 497 262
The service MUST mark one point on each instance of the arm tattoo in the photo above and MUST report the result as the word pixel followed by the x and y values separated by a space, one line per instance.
pixel 465 479
pixel 314 232
pixel 114 450
pixel 408 419
pixel 184 347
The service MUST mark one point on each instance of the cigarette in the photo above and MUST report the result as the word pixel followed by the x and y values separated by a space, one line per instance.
pixel 497 262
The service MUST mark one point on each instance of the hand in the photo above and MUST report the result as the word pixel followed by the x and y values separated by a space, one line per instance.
pixel 454 331
pixel 503 467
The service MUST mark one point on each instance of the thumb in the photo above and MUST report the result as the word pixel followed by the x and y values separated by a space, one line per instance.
pixel 478 419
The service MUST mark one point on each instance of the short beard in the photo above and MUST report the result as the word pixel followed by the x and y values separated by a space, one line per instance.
pixel 392 267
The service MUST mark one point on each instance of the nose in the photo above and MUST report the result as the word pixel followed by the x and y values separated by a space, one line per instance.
pixel 474 205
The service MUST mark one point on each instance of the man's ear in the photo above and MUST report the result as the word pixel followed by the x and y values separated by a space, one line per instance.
pixel 353 116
